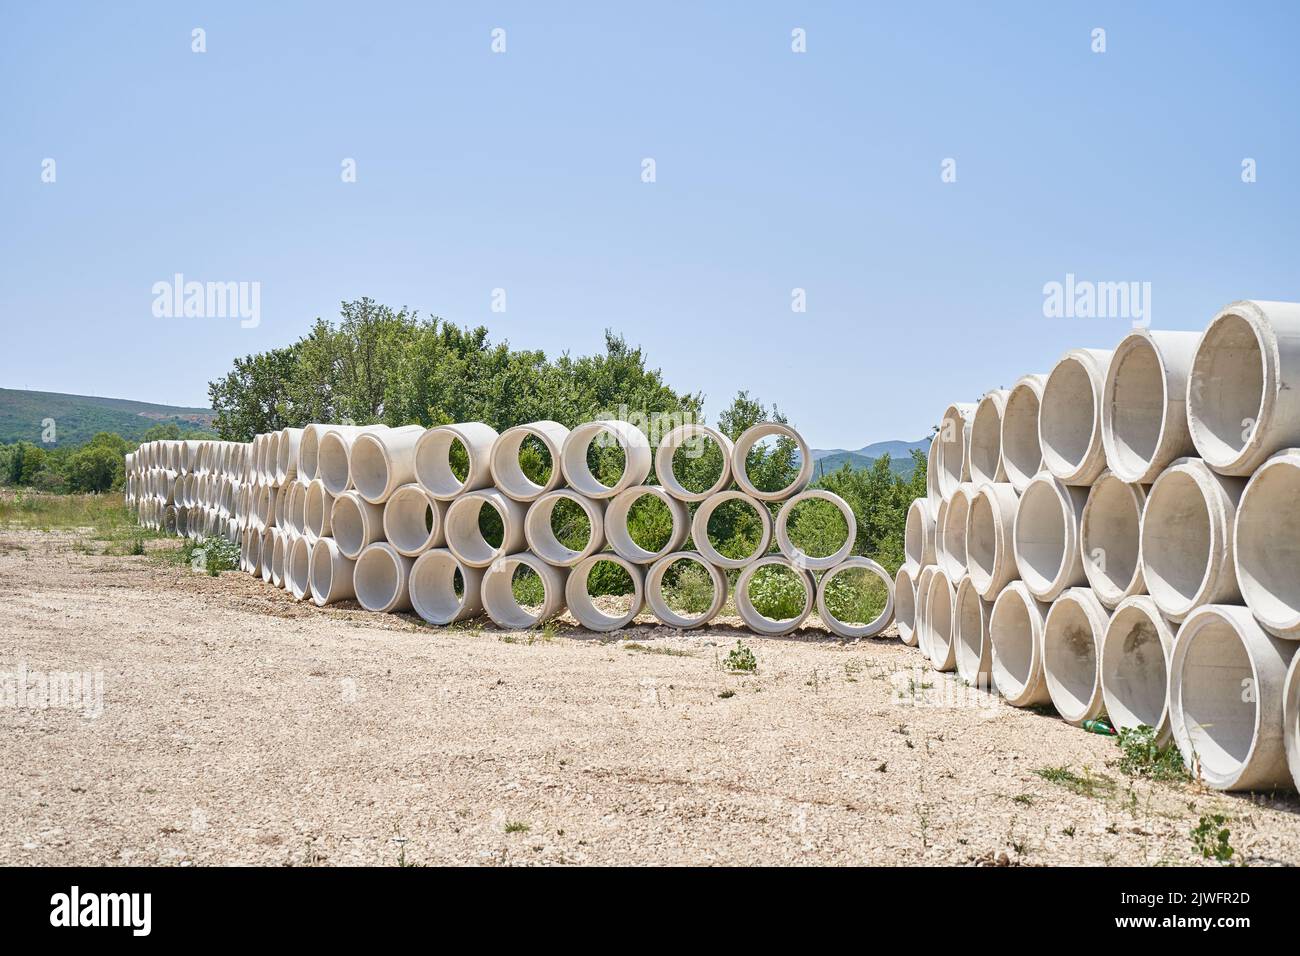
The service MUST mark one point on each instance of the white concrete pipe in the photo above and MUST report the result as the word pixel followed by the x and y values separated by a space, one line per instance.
pixel 331 573
pixel 381 579
pixel 970 628
pixel 932 493
pixel 255 553
pixel 297 568
pixel 382 461
pixel 286 461
pixel 1046 536
pixel 1069 417
pixel 658 604
pixel 507 474
pixel 545 543
pixel 1072 636
pixel 1016 633
pixel 919 534
pixel 1291 719
pixel 278 541
pixel 990 537
pixel 1242 400
pixel 745 444
pixel 280 503
pixel 573 457
pixel 308 446
pixel 1144 404
pixel 755 621
pixel 951 542
pixel 1022 453
pixel 940 645
pixel 499 597
pixel 1135 658
pixel 692 435
pixel 317 509
pixel 1186 538
pixel 295 512
pixel 986 439
pixel 619 536
pixel 1110 537
pixel 413 521
pixel 334 453
pixel 583 607
pixel 797 554
pixel 433 588
pixel 922 596
pixel 905 604
pixel 1226 686
pixel 848 629
pixel 700 529
pixel 266 507
pixel 466 541
pixel 355 524
pixel 954 446
pixel 1266 544
pixel 433 458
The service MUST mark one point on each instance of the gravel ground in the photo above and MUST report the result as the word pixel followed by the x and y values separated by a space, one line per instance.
pixel 240 727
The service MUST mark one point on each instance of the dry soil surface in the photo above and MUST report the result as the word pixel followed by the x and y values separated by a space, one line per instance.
pixel 238 726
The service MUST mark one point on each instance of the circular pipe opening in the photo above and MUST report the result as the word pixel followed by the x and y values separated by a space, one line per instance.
pixel 981 541
pixel 559 521
pixel 1110 538
pixel 1067 419
pixel 443 590
pixel 575 457
pixel 1022 455
pixel 704 456
pixel 939 623
pixel 954 533
pixel 827 535
pixel 1176 542
pixel 465 524
pixel 508 609
pixel 1070 638
pixel 1225 391
pixel 1267 545
pixel 905 606
pixel 855 599
pixel 747 443
pixel 332 463
pixel 368 467
pixel 610 611
pixel 918 533
pixel 1136 404
pixel 380 579
pixel 412 521
pixel 662 523
pixel 685 591
pixel 970 635
pixel 778 608
pixel 299 568
pixel 540 443
pixel 1135 668
pixel 1015 627
pixel 700 532
pixel 986 439
pixel 1219 720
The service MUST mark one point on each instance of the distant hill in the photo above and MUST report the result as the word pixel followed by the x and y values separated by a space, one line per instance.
pixel 78 417
pixel 900 456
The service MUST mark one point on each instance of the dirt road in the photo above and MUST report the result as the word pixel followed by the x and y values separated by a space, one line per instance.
pixel 237 726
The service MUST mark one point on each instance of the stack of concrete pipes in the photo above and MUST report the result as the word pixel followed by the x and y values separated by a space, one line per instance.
pixel 1120 537
pixel 379 515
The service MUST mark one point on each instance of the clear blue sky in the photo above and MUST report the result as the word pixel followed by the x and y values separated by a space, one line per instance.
pixel 522 171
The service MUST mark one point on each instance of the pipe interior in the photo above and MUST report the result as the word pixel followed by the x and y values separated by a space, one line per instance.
pixel 697 464
pixel 443 463
pixel 1012 632
pixel 468 529
pixel 969 629
pixel 939 613
pixel 1040 535
pixel 321 571
pixel 348 525
pixel 1021 452
pixel 300 566
pixel 914 533
pixel 1069 413
pixel 308 446
pixel 617 590
pixel 332 463
pixel 1070 655
pixel 986 441
pixel 369 467
pixel 1219 722
pixel 954 531
pixel 1176 540
pixel 438 586
pixel 1137 409
pixel 499 595
pixel 1111 535
pixel 905 602
pixel 782 593
pixel 409 519
pixel 686 588
pixel 1268 544
pixel 376 578
pixel 1134 672
pixel 817 527
pixel 981 539
pixel 1227 386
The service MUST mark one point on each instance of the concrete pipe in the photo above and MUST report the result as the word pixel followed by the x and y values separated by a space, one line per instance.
pixel 255 553
pixel 849 629
pixel 1072 636
pixel 954 446
pixel 508 474
pixel 499 597
pixel 317 509
pixel 279 539
pixel 755 621
pixel 952 534
pixel 940 644
pixel 919 534
pixel 1022 454
pixel 905 604
pixel 583 607
pixel 1135 658
pixel 658 603
pixel 383 461
pixel 700 529
pixel 296 510
pixel 308 447
pixel 932 494
pixel 573 457
pixel 1226 686
pixel 1046 537
pixel 1069 418
pixel 1144 404
pixel 619 536
pixel 266 506
pixel 381 579
pixel 433 588
pixel 433 468
pixel 465 539
pixel 1109 539
pixel 692 436
pixel 245 539
pixel 990 537
pixel 745 444
pixel 1242 400
pixel 1291 719
pixel 1266 544
pixel 334 453
pixel 922 596
pixel 413 521
pixel 797 554
pixel 1186 538
pixel 542 539
pixel 356 524
pixel 970 631
pixel 330 573
pixel 986 439
pixel 286 461
pixel 279 504
pixel 272 457
pixel 1016 633
pixel 297 568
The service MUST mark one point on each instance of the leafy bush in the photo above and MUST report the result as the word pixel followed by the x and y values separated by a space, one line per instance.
pixel 776 593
